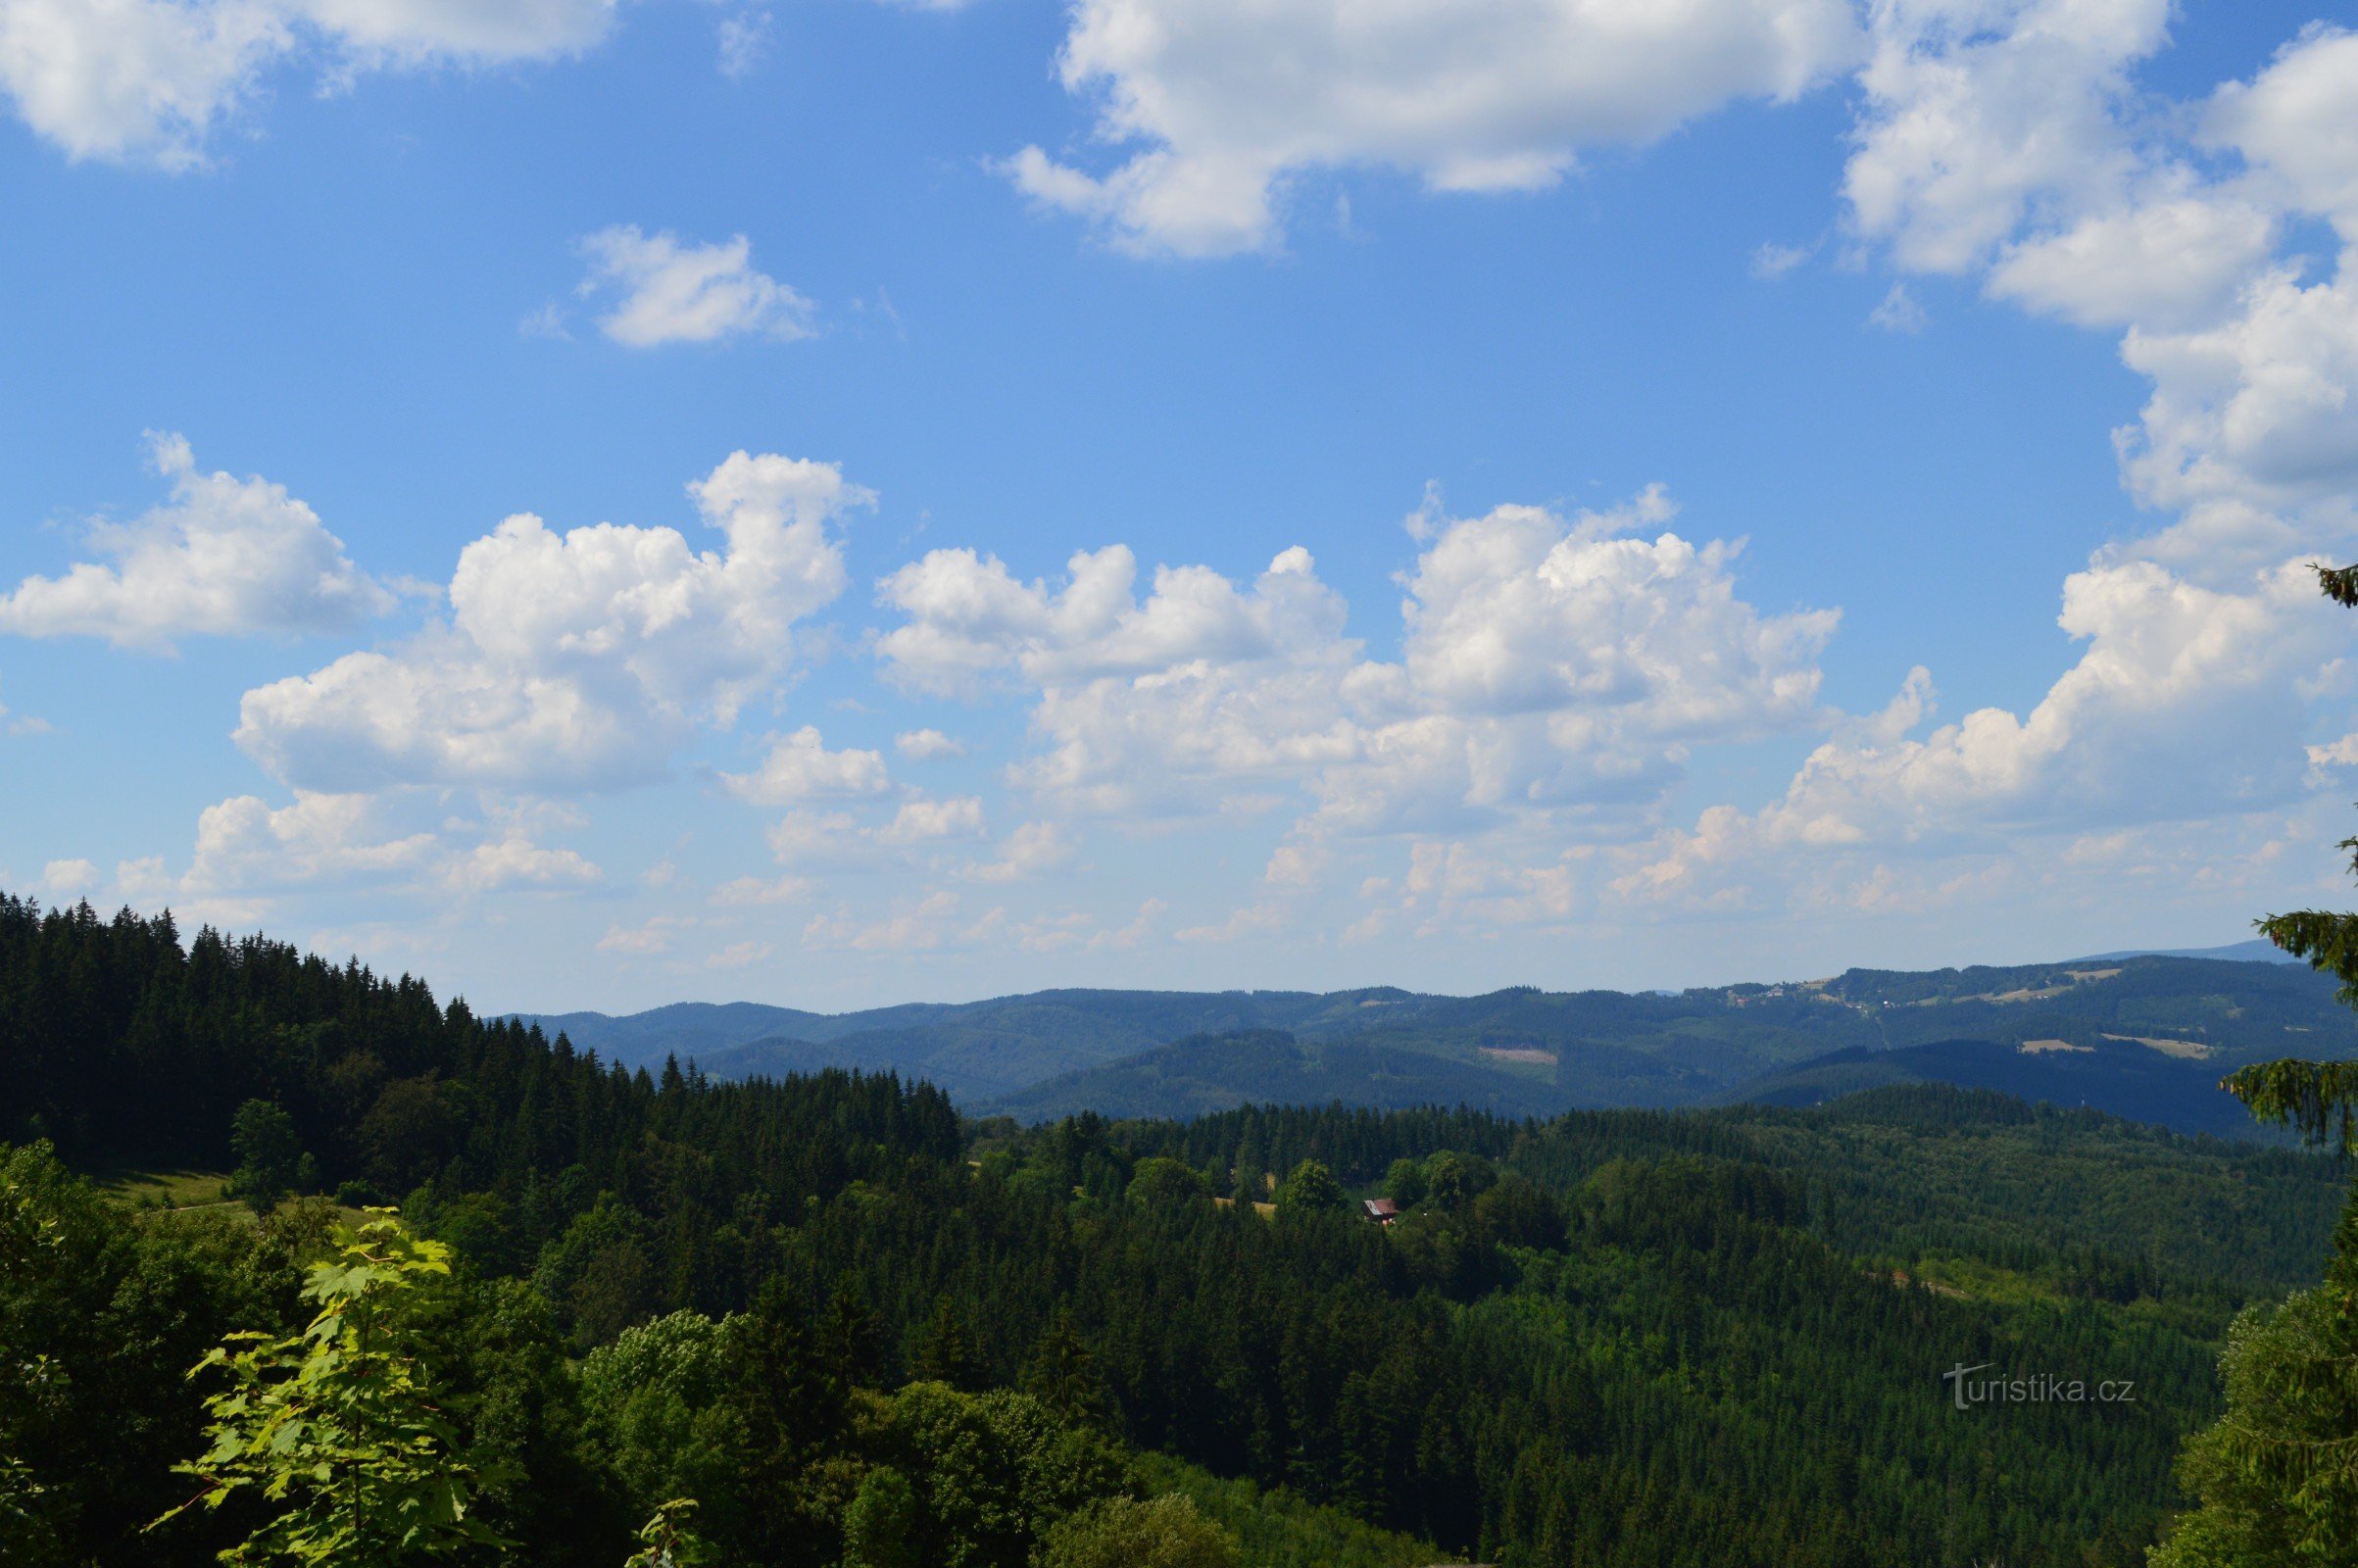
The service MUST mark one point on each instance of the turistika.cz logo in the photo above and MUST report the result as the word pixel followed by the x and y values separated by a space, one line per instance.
pixel 2038 1387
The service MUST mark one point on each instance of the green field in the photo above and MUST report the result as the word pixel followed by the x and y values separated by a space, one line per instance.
pixel 175 1189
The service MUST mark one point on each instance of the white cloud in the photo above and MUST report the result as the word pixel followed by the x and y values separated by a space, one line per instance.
pixel 810 840
pixel 1772 260
pixel 666 291
pixel 2170 255
pixel 815 838
pixel 1980 114
pixel 799 767
pixel 244 844
pixel 747 890
pixel 222 557
pixel 2185 707
pixel 1228 100
pixel 2298 122
pixel 927 745
pixel 744 41
pixel 70 880
pixel 516 863
pixel 2258 407
pixel 149 81
pixel 576 660
pixel 1547 663
pixel 639 941
pixel 1028 851
pixel 1898 312
pixel 922 821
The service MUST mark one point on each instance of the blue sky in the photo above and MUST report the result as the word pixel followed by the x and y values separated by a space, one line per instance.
pixel 1445 366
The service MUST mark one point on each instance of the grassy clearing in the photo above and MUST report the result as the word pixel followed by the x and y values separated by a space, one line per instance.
pixel 164 1188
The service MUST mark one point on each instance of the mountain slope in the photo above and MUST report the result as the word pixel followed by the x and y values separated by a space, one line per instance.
pixel 1540 1052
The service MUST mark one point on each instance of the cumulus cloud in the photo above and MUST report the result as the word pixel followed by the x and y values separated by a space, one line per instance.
pixel 927 745
pixel 1547 662
pixel 149 81
pixel 2294 121
pixel 922 821
pixel 2257 407
pixel 2185 707
pixel 2010 140
pixel 799 767
pixel 1226 100
pixel 577 661
pixel 664 290
pixel 1979 111
pixel 516 863
pixel 1031 849
pixel 812 840
pixel 70 878
pixel 2171 254
pixel 244 844
pixel 222 557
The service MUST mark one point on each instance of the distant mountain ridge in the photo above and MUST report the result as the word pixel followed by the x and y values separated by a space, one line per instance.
pixel 2146 1036
pixel 2259 950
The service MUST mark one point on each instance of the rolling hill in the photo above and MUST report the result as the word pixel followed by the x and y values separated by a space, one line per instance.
pixel 2146 1036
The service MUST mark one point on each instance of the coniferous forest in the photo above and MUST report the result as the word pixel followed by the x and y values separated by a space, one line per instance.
pixel 826 1319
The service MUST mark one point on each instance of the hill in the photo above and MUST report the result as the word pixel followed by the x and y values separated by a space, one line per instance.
pixel 2146 1036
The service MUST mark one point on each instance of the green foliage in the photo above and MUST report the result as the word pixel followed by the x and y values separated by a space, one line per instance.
pixel 652 1399
pixel 2276 1479
pixel 1063 1377
pixel 338 1423
pixel 32 1249
pixel 2319 1099
pixel 1311 1190
pixel 2338 583
pixel 664 1540
pixel 1281 1529
pixel 1166 1531
pixel 101 1311
pixel 945 1352
pixel 992 1471
pixel 1165 1184
pixel 271 1162
pixel 882 1527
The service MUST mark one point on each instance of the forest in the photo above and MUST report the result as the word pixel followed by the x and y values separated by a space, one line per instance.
pixel 300 1263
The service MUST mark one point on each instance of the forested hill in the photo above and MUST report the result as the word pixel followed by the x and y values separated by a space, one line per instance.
pixel 2147 1037
pixel 1606 1337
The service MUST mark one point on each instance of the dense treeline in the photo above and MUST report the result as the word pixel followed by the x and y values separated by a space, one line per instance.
pixel 1613 1338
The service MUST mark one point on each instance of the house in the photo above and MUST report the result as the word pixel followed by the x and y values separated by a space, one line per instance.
pixel 1382 1210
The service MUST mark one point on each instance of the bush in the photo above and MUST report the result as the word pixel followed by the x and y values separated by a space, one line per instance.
pixel 1123 1533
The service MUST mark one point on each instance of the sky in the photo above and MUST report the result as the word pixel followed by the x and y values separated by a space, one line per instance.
pixel 599 505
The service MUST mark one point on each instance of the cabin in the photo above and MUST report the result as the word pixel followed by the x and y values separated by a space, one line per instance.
pixel 1382 1210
